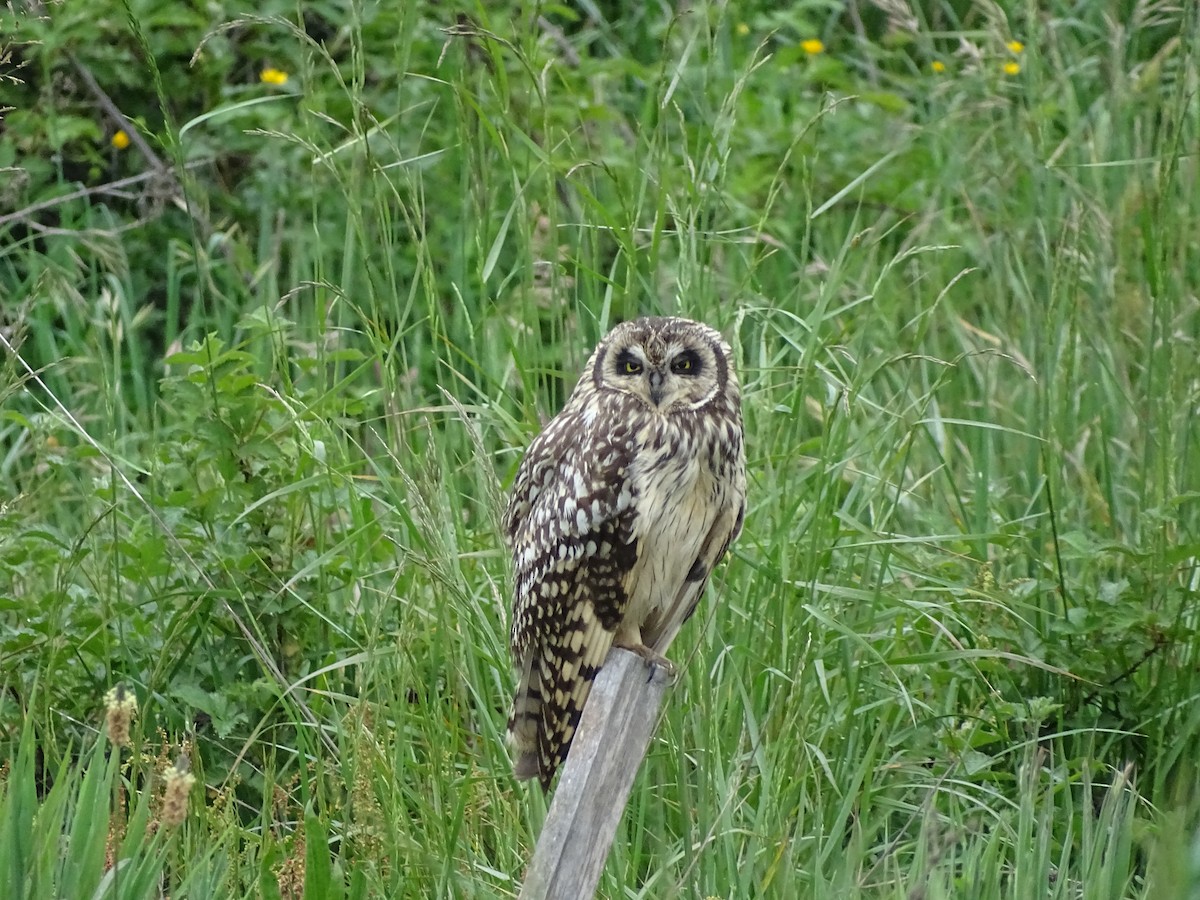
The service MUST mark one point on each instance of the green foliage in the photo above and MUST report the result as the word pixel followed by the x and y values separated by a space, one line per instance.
pixel 269 366
pixel 80 839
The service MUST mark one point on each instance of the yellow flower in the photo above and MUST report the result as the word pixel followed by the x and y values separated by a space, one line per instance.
pixel 938 66
pixel 273 76
pixel 1015 46
pixel 120 140
pixel 742 29
pixel 812 46
pixel 1012 68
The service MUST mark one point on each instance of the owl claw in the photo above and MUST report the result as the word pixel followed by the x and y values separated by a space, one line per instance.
pixel 666 667
pixel 654 661
pixel 660 663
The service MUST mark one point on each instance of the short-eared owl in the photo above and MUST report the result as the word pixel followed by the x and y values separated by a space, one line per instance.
pixel 620 510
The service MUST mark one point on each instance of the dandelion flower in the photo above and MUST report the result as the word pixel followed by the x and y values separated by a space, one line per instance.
pixel 276 77
pixel 938 66
pixel 120 140
pixel 742 29
pixel 1012 68
pixel 1015 46
pixel 812 46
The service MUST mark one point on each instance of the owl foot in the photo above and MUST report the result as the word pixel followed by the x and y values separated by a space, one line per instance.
pixel 655 661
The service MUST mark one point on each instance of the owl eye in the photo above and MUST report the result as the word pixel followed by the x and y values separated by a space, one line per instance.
pixel 685 364
pixel 628 364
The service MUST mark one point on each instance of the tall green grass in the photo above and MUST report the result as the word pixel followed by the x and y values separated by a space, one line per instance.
pixel 255 472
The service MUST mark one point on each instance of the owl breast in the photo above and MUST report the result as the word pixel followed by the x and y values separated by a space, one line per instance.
pixel 684 498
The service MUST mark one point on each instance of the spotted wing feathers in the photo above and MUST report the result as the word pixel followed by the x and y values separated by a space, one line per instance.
pixel 569 523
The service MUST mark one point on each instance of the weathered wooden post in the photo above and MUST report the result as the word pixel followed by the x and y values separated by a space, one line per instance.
pixel 606 753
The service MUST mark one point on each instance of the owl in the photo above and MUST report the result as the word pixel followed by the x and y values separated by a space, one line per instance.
pixel 620 510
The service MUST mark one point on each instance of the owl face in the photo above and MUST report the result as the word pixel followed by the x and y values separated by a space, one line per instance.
pixel 669 364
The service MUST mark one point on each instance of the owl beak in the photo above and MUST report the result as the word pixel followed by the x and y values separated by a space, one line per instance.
pixel 656 388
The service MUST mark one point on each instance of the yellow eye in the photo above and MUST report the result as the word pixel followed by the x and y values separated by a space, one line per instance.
pixel 632 367
pixel 686 364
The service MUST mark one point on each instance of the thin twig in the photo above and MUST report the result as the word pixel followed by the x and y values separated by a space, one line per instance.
pixel 569 53
pixel 116 115
pixel 110 187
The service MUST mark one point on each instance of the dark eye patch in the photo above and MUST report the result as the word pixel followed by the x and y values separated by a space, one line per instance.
pixel 687 363
pixel 628 364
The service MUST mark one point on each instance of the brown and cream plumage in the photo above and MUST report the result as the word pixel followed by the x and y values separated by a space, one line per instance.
pixel 620 510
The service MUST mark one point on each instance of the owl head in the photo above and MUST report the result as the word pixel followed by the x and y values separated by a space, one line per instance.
pixel 670 364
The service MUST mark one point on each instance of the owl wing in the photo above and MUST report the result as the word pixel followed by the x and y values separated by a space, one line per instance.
pixel 569 522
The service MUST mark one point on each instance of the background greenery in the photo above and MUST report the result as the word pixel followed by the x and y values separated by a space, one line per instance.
pixel 286 292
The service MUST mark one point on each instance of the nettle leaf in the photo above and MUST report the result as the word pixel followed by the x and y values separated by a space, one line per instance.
pixel 201 353
pixel 63 130
pixel 224 714
pixel 1112 591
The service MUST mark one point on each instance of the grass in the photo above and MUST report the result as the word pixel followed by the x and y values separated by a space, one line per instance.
pixel 256 435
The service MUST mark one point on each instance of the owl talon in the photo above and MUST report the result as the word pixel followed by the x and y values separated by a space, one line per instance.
pixel 654 661
pixel 660 664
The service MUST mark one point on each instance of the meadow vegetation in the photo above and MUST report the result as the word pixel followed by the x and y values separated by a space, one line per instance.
pixel 286 292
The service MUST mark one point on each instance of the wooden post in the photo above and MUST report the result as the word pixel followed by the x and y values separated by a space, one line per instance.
pixel 606 753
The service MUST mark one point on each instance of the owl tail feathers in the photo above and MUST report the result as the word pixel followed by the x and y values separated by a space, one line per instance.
pixel 526 766
pixel 529 761
pixel 523 727
pixel 525 763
